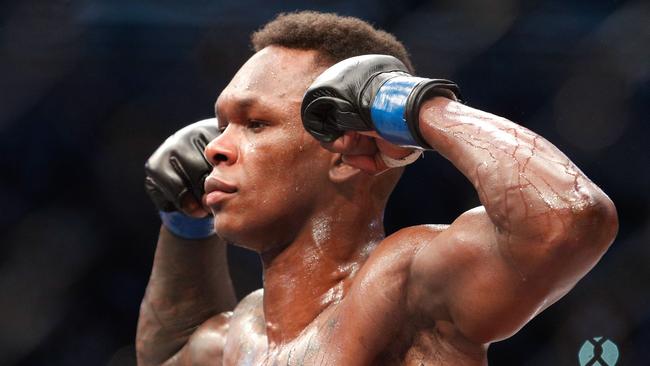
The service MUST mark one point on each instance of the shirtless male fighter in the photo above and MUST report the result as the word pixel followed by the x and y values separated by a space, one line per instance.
pixel 302 158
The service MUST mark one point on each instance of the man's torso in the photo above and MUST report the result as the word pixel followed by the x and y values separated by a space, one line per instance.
pixel 369 326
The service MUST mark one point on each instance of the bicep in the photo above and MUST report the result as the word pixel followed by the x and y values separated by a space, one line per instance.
pixel 466 276
pixel 205 346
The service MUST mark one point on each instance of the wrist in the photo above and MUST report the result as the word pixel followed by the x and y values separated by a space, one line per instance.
pixel 395 109
pixel 388 110
pixel 187 227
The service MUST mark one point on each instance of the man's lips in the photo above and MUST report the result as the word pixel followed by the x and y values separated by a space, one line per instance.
pixel 216 190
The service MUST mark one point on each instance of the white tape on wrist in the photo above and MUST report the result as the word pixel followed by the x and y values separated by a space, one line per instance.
pixel 408 159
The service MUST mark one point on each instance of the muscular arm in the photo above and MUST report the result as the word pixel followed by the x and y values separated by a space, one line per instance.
pixel 544 224
pixel 189 287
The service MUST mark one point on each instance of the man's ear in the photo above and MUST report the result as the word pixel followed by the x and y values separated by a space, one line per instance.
pixel 341 171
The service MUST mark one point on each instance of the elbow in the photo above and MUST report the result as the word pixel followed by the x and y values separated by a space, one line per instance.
pixel 604 219
pixel 593 223
pixel 609 217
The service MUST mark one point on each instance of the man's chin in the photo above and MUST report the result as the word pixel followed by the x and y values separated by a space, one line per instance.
pixel 249 234
pixel 238 237
pixel 247 240
pixel 246 243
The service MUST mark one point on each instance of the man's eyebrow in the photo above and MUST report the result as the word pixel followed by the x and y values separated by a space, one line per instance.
pixel 247 102
pixel 241 103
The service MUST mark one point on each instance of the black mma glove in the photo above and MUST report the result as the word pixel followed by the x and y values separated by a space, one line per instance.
pixel 370 92
pixel 178 167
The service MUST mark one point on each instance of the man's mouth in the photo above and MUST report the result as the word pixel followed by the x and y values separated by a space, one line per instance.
pixel 217 190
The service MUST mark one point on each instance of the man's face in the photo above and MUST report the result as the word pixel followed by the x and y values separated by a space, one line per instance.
pixel 269 174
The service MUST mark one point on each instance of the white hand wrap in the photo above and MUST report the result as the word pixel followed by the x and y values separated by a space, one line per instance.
pixel 408 159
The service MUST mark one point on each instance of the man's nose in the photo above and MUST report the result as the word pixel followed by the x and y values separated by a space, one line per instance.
pixel 221 150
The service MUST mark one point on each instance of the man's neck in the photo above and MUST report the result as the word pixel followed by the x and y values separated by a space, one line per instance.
pixel 316 269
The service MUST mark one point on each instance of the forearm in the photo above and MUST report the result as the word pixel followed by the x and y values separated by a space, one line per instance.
pixel 189 283
pixel 528 187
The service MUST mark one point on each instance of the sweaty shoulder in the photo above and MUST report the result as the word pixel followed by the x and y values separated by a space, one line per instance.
pixel 249 313
pixel 419 234
pixel 396 251
pixel 375 304
pixel 388 285
pixel 407 241
pixel 247 334
pixel 208 343
pixel 393 258
pixel 251 301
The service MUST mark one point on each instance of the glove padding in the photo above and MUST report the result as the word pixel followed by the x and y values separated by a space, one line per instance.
pixel 342 97
pixel 179 167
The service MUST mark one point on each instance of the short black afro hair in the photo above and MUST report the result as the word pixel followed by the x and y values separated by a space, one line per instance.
pixel 336 37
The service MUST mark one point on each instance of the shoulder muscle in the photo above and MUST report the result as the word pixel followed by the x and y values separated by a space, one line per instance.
pixel 205 346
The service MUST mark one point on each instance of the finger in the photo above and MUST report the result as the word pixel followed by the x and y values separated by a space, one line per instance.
pixel 392 150
pixel 371 134
pixel 367 163
pixel 352 143
pixel 387 148
pixel 364 162
pixel 191 207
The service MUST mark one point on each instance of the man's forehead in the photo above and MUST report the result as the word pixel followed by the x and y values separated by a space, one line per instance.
pixel 277 71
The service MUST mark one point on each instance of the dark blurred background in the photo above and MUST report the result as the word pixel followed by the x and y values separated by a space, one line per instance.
pixel 90 88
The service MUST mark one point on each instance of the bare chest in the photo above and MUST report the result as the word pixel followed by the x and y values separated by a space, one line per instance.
pixel 332 341
pixel 323 342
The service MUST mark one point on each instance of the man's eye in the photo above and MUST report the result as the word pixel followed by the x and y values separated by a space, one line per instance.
pixel 256 125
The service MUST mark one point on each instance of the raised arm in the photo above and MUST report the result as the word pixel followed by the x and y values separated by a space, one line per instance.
pixel 543 225
pixel 184 313
pixel 189 285
pixel 531 191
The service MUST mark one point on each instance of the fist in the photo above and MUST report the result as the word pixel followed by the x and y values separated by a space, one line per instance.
pixel 339 99
pixel 175 172
pixel 370 93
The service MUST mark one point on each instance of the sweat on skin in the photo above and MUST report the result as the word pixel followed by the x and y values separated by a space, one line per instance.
pixel 336 290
